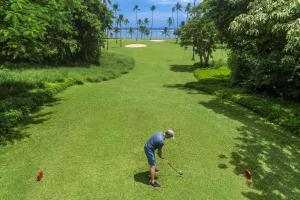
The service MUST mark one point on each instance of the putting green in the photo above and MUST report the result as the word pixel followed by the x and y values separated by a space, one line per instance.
pixel 89 143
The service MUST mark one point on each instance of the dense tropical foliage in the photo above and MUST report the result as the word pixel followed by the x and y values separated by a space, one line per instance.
pixel 52 31
pixel 267 47
pixel 264 39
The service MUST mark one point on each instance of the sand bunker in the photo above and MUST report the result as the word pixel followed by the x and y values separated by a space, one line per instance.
pixel 156 40
pixel 136 45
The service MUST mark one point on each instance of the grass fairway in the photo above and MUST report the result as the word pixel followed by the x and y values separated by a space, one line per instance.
pixel 89 143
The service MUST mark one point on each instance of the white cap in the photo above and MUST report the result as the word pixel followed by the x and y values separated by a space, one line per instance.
pixel 171 132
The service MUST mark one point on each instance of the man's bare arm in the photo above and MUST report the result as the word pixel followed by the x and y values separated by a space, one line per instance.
pixel 159 152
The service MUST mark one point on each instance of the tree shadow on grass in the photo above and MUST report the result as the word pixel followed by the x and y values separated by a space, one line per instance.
pixel 272 154
pixel 142 177
pixel 183 68
pixel 13 134
pixel 20 108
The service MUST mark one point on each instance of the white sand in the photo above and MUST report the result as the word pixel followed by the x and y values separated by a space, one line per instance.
pixel 136 45
pixel 156 40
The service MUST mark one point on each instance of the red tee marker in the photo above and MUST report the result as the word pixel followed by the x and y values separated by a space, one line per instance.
pixel 39 175
pixel 248 174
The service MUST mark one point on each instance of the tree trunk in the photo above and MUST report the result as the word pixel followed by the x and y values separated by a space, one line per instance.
pixel 173 20
pixel 193 58
pixel 177 28
pixel 201 61
pixel 151 27
pixel 120 35
pixel 116 38
pixel 206 59
pixel 137 31
pixel 107 34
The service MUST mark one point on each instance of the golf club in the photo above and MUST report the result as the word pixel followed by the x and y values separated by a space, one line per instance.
pixel 179 172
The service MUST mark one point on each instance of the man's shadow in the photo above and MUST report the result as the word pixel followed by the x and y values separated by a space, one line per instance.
pixel 142 177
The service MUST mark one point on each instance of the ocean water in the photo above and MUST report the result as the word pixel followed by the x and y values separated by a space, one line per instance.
pixel 156 33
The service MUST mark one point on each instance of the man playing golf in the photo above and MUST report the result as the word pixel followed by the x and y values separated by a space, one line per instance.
pixel 156 142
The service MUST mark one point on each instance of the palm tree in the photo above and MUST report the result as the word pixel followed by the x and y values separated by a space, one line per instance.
pixel 178 7
pixel 152 8
pixel 106 2
pixel 146 21
pixel 115 8
pixel 170 22
pixel 173 10
pixel 147 32
pixel 165 32
pixel 130 31
pixel 120 21
pixel 126 21
pixel 136 9
pixel 142 30
pixel 188 9
pixel 173 18
pixel 140 23
pixel 116 31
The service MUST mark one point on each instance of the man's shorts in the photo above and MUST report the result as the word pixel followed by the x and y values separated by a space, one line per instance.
pixel 150 156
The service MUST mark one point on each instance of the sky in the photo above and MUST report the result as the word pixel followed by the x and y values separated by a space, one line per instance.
pixel 161 14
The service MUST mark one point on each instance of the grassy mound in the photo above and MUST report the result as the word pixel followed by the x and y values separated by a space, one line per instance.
pixel 23 90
